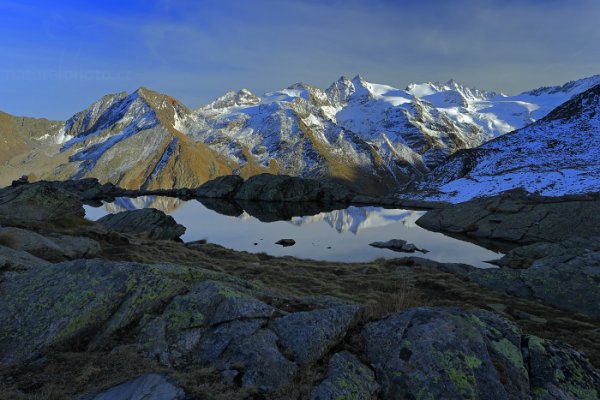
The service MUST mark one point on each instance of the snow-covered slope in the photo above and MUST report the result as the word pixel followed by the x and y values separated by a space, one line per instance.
pixel 363 131
pixel 137 141
pixel 373 136
pixel 559 154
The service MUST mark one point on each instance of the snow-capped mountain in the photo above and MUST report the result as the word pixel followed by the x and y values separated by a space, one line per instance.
pixel 137 141
pixel 354 126
pixel 559 154
pixel 375 137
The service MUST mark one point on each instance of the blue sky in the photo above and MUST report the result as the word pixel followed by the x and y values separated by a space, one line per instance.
pixel 59 58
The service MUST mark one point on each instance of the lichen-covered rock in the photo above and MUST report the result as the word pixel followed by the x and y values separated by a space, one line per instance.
pixel 78 301
pixel 148 222
pixel 261 363
pixel 267 187
pixel 223 187
pixel 450 353
pixel 347 378
pixel 39 203
pixel 16 260
pixel 557 371
pixel 309 335
pixel 436 353
pixel 146 387
pixel 185 330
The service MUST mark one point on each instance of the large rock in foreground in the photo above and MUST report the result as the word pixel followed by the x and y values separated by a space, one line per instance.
pixel 149 222
pixel 447 353
pixel 267 187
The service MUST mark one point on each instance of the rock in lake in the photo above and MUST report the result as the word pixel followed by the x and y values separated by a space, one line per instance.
pixel 286 242
pixel 150 222
pixel 398 245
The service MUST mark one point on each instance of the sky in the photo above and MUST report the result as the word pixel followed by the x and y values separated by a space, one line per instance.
pixel 59 57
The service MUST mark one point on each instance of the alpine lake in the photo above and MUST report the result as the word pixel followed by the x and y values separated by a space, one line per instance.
pixel 341 233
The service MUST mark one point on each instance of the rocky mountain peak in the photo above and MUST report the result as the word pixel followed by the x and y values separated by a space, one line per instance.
pixel 242 97
pixel 583 106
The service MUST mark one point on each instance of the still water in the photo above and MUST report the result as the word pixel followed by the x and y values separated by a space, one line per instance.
pixel 337 235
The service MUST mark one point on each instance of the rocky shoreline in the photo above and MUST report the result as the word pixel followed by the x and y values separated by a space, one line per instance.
pixel 92 310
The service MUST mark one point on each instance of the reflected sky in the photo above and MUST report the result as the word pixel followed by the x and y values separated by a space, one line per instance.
pixel 341 235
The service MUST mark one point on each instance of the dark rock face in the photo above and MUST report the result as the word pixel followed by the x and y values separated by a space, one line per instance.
pixel 519 218
pixel 223 187
pixel 310 334
pixel 267 187
pixel 450 353
pixel 150 222
pixel 146 387
pixel 347 378
pixel 30 205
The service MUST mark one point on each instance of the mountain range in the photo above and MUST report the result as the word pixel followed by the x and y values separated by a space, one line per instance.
pixel 374 137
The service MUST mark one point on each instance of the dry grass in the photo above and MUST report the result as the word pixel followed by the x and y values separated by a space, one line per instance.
pixel 399 296
pixel 9 239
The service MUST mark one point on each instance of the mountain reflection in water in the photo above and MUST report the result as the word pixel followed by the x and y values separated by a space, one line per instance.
pixel 330 232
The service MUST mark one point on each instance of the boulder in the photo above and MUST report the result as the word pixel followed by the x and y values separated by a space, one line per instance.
pixel 267 187
pixel 16 260
pixel 53 247
pixel 146 387
pixel 347 378
pixel 40 203
pixel 286 242
pixel 451 353
pixel 80 301
pixel 310 334
pixel 223 187
pixel 398 245
pixel 518 217
pixel 149 222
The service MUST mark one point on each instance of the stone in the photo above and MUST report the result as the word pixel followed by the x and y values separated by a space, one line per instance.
pixel 16 260
pixel 398 245
pixel 286 242
pixel 80 301
pixel 149 222
pixel 446 353
pixel 39 204
pixel 267 187
pixel 52 247
pixel 347 378
pixel 223 187
pixel 146 387
pixel 515 216
pixel 310 334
